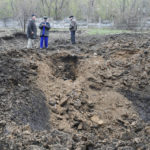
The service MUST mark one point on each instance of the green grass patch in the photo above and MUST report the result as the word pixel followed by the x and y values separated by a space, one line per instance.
pixel 59 29
pixel 106 31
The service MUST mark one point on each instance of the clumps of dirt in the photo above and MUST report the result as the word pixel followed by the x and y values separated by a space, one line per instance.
pixel 141 101
pixel 21 101
pixel 65 67
pixel 31 110
pixel 94 98
pixel 91 105
pixel 12 40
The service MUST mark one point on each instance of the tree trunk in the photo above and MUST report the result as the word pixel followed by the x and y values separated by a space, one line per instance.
pixel 24 25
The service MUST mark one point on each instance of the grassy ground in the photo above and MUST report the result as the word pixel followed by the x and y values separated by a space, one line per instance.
pixel 59 29
pixel 106 31
pixel 94 31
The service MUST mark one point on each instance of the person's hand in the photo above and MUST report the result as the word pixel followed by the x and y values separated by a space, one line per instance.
pixel 32 33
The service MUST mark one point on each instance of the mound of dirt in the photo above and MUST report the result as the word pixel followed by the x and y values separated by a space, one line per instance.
pixel 92 96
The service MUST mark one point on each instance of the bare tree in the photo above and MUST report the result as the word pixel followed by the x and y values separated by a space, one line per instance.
pixel 5 12
pixel 23 10
pixel 126 13
pixel 53 6
pixel 91 9
pixel 59 4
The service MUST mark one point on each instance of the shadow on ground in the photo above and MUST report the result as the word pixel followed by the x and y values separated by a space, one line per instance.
pixel 141 102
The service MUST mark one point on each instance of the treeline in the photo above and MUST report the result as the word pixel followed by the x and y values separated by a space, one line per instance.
pixel 120 11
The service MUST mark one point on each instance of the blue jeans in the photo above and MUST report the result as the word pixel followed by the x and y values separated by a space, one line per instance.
pixel 73 40
pixel 44 39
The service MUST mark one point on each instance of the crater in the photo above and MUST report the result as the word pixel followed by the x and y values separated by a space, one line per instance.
pixel 65 67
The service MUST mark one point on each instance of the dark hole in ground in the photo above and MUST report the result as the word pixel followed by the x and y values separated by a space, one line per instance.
pixel 20 35
pixel 90 147
pixel 141 101
pixel 7 37
pixel 65 67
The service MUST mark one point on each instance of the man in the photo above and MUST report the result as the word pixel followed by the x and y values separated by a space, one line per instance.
pixel 73 29
pixel 44 27
pixel 31 32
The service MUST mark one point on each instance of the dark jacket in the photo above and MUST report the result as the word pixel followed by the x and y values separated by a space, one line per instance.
pixel 32 28
pixel 44 32
pixel 73 26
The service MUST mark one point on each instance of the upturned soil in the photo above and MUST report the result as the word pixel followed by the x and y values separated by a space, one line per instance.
pixel 94 95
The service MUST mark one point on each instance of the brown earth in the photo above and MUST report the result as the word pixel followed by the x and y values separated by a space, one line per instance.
pixel 91 96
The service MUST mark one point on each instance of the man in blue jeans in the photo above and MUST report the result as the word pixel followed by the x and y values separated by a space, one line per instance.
pixel 44 34
pixel 73 29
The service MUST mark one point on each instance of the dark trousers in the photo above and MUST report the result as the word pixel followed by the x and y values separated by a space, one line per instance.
pixel 44 39
pixel 73 39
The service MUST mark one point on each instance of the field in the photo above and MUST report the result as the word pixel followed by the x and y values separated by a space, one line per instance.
pixel 94 95
pixel 105 31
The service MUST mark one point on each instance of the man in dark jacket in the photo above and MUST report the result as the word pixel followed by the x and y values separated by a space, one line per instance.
pixel 31 32
pixel 44 27
pixel 73 29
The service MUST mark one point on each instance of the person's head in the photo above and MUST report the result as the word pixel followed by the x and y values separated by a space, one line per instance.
pixel 71 18
pixel 45 18
pixel 33 17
